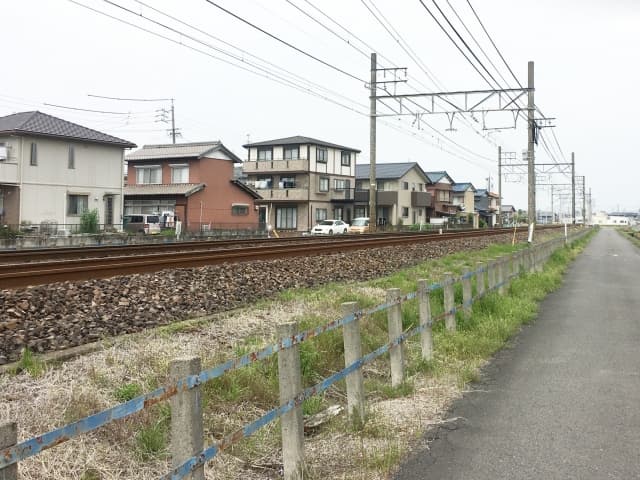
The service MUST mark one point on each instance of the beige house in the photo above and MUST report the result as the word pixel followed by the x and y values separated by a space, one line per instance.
pixel 402 197
pixel 301 180
pixel 52 170
pixel 463 197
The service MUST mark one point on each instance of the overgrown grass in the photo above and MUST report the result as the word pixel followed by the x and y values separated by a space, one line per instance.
pixel 30 363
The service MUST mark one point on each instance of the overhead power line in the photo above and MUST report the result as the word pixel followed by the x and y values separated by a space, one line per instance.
pixel 284 42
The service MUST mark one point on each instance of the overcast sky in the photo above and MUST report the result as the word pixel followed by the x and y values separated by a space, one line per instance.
pixel 586 67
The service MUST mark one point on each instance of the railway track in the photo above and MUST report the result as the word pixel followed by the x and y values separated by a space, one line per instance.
pixel 38 267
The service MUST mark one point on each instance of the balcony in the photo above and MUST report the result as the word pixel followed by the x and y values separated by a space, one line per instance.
pixel 8 172
pixel 420 199
pixel 281 165
pixel 384 197
pixel 292 194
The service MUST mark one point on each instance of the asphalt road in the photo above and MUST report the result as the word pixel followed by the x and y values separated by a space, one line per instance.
pixel 563 402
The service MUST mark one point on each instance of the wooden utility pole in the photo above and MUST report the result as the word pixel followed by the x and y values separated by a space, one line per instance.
pixel 573 188
pixel 531 149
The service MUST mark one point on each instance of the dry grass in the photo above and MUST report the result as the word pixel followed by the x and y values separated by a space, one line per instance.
pixel 95 381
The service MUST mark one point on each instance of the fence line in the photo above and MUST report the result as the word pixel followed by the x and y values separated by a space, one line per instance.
pixel 184 389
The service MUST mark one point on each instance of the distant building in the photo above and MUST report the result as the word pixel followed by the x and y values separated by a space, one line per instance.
pixel 611 220
pixel 463 197
pixel 441 189
pixel 486 204
pixel 52 170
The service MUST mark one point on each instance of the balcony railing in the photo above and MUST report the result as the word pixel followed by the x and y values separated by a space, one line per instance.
pixel 383 197
pixel 278 165
pixel 297 193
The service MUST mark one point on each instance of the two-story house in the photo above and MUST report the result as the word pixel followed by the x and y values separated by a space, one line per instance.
pixel 52 171
pixel 302 181
pixel 441 189
pixel 401 193
pixel 463 197
pixel 193 182
pixel 507 215
pixel 486 204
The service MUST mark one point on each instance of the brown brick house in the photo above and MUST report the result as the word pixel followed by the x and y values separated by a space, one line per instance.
pixel 195 181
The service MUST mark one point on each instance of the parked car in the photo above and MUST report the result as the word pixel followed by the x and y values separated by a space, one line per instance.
pixel 141 223
pixel 359 225
pixel 330 227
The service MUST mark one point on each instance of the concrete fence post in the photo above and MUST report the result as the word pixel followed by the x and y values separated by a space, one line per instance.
pixel 186 416
pixel 394 323
pixel 352 353
pixel 501 269
pixel 466 290
pixel 8 438
pixel 290 383
pixel 424 311
pixel 480 279
pixel 491 275
pixel 532 259
pixel 449 302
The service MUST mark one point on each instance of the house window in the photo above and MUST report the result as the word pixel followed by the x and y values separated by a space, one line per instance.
pixel 72 158
pixel 359 212
pixel 265 154
pixel 291 153
pixel 321 214
pixel 3 152
pixel 443 196
pixel 77 204
pixel 321 155
pixel 421 187
pixel 287 182
pixel 34 154
pixel 380 185
pixel 338 213
pixel 405 212
pixel 405 185
pixel 360 186
pixel 179 174
pixel 239 209
pixel 147 175
pixel 345 158
pixel 323 184
pixel 341 184
pixel 264 182
pixel 286 217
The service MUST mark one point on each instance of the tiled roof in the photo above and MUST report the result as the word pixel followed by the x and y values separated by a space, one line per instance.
pixel 386 171
pixel 463 187
pixel 299 140
pixel 185 189
pixel 41 124
pixel 182 150
pixel 435 177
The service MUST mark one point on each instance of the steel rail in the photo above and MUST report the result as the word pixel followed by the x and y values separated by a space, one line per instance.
pixel 39 273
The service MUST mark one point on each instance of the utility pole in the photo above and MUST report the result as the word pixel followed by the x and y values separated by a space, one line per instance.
pixel 553 217
pixel 590 206
pixel 573 187
pixel 373 184
pixel 584 203
pixel 500 186
pixel 173 123
pixel 530 150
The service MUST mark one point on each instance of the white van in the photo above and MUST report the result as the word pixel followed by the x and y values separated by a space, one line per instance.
pixel 141 223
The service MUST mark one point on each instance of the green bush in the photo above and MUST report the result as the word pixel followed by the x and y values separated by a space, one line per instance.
pixel 89 221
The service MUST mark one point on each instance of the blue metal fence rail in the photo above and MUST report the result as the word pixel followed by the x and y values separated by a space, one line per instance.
pixel 35 445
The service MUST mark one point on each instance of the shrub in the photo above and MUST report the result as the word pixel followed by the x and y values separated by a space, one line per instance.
pixel 89 221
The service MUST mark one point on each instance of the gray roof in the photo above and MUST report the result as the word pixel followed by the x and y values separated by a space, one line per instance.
pixel 435 177
pixel 41 124
pixel 185 189
pixel 183 150
pixel 463 187
pixel 387 171
pixel 507 208
pixel 299 140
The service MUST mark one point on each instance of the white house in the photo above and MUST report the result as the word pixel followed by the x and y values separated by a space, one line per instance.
pixel 52 170
pixel 611 220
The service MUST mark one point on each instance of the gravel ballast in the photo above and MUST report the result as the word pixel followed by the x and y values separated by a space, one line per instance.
pixel 62 315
